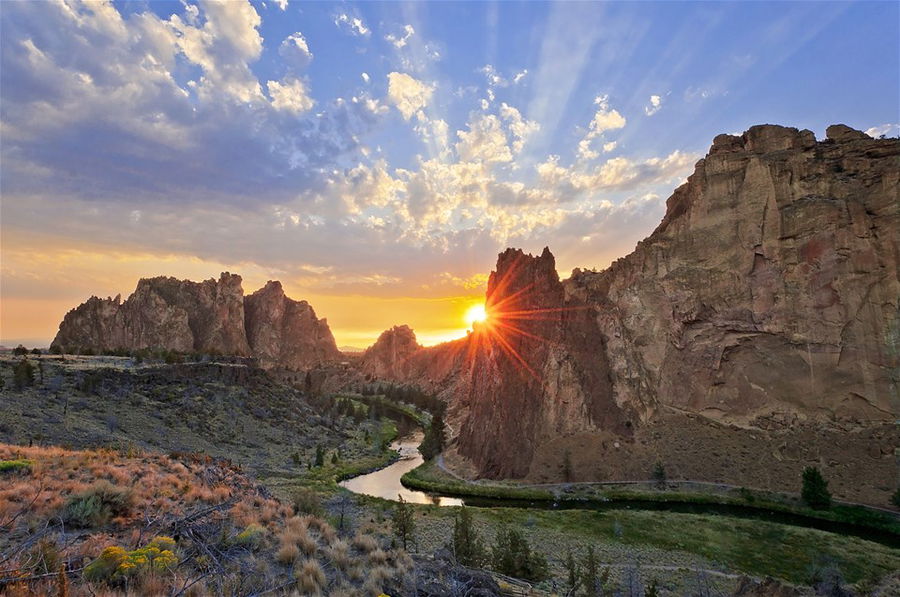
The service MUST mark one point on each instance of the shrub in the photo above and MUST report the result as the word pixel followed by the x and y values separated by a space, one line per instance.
pixel 895 499
pixel 306 501
pixel 15 466
pixel 117 563
pixel 310 577
pixel 20 351
pixel 23 374
pixel 659 475
pixel 513 556
pixel 251 537
pixel 815 489
pixel 97 505
pixel 46 556
pixel 288 554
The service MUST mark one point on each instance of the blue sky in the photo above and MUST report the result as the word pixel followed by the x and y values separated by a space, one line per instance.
pixel 387 151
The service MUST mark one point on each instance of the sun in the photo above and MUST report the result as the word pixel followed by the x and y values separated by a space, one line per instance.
pixel 475 314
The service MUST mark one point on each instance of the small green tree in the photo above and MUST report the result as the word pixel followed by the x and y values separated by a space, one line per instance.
pixel 334 458
pixel 320 456
pixel 23 374
pixel 573 572
pixel 433 442
pixel 567 466
pixel 659 475
pixel 513 556
pixel 815 489
pixel 468 546
pixel 895 499
pixel 404 521
pixel 590 577
pixel 652 590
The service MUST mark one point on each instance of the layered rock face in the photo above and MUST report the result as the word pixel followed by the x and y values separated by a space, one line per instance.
pixel 210 317
pixel 286 333
pixel 162 312
pixel 761 315
pixel 770 289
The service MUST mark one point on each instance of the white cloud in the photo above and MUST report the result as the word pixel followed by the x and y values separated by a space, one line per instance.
pixel 365 77
pixel 409 95
pixel 400 41
pixel 653 106
pixel 295 50
pixel 352 25
pixel 282 4
pixel 605 119
pixel 883 129
pixel 290 95
pixel 485 141
pixel 520 128
pixel 607 147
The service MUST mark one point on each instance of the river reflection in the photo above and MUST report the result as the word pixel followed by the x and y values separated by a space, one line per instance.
pixel 385 483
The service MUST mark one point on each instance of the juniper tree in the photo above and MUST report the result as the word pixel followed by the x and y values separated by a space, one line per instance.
pixel 404 521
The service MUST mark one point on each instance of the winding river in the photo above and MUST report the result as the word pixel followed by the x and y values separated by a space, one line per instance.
pixel 385 483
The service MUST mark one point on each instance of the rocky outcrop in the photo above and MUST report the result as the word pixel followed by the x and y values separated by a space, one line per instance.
pixel 389 356
pixel 162 312
pixel 765 302
pixel 286 333
pixel 207 317
pixel 770 289
pixel 536 369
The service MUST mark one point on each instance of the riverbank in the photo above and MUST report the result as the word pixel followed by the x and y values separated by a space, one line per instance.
pixel 858 520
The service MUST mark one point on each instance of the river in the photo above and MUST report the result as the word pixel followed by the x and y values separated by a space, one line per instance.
pixel 385 483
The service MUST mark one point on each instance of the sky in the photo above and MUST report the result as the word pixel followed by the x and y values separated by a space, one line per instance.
pixel 375 157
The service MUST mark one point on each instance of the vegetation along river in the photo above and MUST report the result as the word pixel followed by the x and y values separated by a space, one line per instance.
pixel 385 483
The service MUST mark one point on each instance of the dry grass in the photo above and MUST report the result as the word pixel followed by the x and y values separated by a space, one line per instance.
pixel 310 577
pixel 365 543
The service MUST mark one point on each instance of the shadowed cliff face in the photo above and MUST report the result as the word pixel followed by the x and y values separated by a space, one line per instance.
pixel 286 333
pixel 534 370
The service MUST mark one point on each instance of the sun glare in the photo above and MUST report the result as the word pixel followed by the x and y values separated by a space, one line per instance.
pixel 475 314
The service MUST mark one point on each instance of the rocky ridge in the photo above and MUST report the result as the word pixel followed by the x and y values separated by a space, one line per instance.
pixel 212 316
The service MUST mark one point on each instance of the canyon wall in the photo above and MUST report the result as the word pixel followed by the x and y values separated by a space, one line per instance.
pixel 759 321
pixel 211 317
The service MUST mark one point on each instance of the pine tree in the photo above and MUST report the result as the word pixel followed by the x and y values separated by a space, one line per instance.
pixel 320 456
pixel 815 489
pixel 659 475
pixel 573 572
pixel 467 544
pixel 404 521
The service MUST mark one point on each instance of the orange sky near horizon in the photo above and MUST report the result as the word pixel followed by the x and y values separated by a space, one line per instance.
pixel 47 285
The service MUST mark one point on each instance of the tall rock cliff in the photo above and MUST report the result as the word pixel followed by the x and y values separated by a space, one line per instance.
pixel 536 369
pixel 162 312
pixel 286 333
pixel 210 317
pixel 770 289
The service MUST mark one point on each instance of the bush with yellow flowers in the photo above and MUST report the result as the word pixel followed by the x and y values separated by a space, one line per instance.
pixel 115 563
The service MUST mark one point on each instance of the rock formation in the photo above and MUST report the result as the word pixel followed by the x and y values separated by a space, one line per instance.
pixel 208 317
pixel 389 356
pixel 770 288
pixel 162 312
pixel 761 314
pixel 286 333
